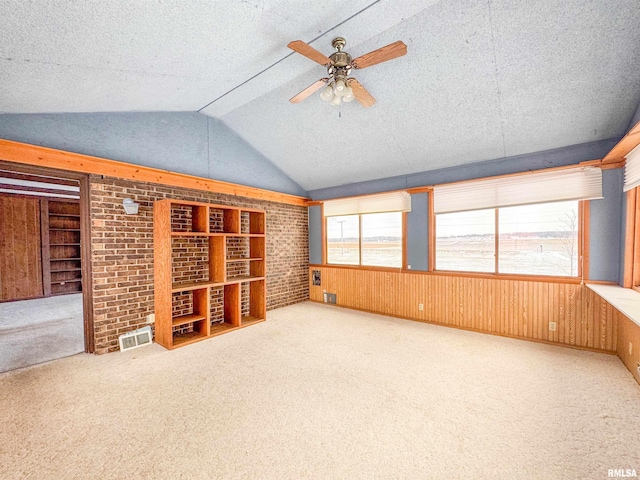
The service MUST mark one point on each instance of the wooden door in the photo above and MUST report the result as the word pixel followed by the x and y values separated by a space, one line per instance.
pixel 20 256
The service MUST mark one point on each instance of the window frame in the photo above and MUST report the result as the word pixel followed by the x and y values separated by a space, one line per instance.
pixel 583 248
pixel 403 244
pixel 631 277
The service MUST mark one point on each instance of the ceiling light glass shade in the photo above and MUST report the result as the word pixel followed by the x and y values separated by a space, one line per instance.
pixel 348 96
pixel 327 93
pixel 336 100
pixel 340 88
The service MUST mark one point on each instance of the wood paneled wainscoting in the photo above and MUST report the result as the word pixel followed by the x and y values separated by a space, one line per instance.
pixel 509 307
pixel 628 333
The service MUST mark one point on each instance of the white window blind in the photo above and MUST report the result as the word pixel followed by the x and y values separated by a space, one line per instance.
pixel 632 169
pixel 580 183
pixel 383 202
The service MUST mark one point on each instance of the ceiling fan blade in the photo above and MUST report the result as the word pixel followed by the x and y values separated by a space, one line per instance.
pixel 361 93
pixel 309 52
pixel 309 90
pixel 391 51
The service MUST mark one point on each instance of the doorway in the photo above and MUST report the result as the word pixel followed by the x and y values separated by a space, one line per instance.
pixel 45 288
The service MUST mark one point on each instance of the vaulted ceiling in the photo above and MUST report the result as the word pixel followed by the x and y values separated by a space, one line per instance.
pixel 482 79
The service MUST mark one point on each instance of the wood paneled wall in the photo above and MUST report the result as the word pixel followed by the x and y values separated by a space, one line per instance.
pixel 20 257
pixel 515 308
pixel 628 332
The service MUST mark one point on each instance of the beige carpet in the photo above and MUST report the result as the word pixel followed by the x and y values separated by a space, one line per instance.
pixel 324 392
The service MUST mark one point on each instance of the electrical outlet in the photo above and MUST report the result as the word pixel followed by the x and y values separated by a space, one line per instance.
pixel 408 267
pixel 421 306
pixel 151 318
pixel 630 348
pixel 552 326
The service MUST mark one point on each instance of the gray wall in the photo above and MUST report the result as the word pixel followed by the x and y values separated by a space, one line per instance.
pixel 606 229
pixel 315 235
pixel 183 142
pixel 418 232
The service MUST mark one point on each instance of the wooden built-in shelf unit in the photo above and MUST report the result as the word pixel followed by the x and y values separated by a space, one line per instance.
pixel 209 270
pixel 60 231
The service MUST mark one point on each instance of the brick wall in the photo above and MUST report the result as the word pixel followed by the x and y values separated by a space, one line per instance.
pixel 122 253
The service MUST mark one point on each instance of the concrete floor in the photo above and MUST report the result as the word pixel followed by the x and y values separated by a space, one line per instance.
pixel 40 330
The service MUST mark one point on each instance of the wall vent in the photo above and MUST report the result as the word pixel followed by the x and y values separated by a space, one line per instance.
pixel 330 298
pixel 135 339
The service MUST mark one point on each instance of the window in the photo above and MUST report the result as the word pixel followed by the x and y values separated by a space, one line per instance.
pixel 466 241
pixel 541 239
pixel 372 239
pixel 343 239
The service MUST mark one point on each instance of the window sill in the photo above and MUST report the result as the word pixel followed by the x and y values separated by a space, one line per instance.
pixel 626 300
pixel 446 273
pixel 508 276
pixel 358 267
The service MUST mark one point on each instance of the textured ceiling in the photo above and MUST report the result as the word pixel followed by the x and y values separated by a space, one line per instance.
pixel 481 80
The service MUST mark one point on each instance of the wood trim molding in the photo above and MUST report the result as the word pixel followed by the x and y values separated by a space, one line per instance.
pixel 601 282
pixel 85 262
pixel 496 240
pixel 48 157
pixel 324 234
pixel 612 166
pixel 419 190
pixel 431 233
pixel 584 230
pixel 45 249
pixel 630 141
pixel 405 232
pixel 629 238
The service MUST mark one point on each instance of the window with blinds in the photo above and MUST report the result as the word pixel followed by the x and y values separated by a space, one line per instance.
pixel 366 230
pixel 524 224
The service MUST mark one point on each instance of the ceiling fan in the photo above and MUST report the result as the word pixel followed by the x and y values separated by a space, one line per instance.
pixel 339 87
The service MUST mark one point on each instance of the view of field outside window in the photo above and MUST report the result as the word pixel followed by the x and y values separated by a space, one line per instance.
pixel 533 240
pixel 381 239
pixel 465 241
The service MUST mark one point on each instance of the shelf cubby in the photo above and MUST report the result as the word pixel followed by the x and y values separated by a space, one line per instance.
pixel 190 315
pixel 254 305
pixel 189 218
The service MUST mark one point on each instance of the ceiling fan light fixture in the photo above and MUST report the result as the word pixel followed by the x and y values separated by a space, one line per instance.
pixel 327 93
pixel 336 100
pixel 340 89
pixel 348 96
